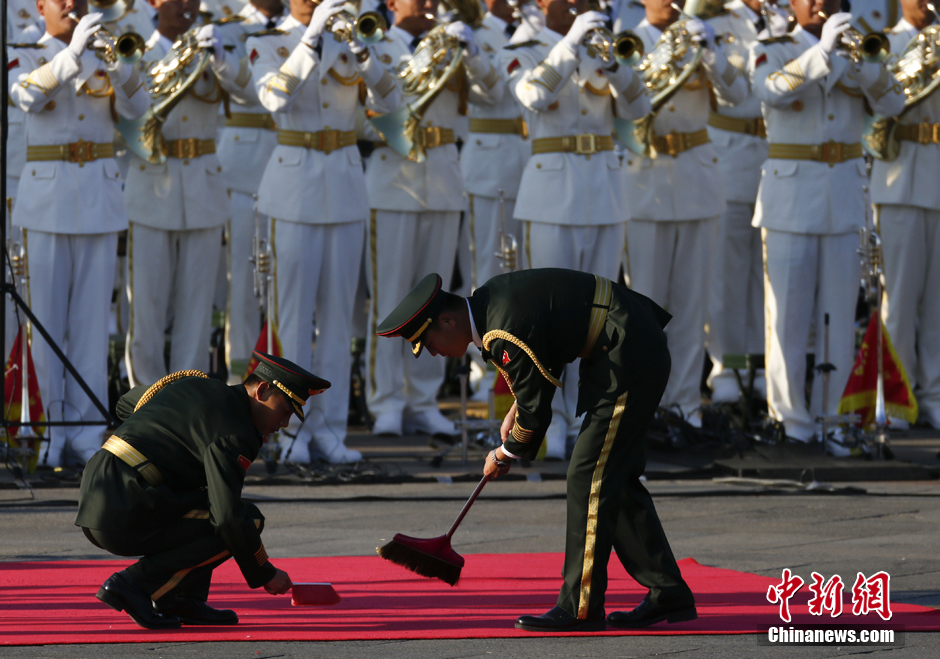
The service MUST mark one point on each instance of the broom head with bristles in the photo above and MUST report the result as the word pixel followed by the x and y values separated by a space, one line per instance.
pixel 314 594
pixel 431 557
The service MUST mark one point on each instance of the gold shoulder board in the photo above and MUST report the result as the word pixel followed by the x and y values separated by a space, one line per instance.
pixel 26 45
pixel 524 44
pixel 784 38
pixel 266 33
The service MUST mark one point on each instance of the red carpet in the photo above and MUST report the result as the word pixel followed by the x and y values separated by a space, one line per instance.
pixel 54 603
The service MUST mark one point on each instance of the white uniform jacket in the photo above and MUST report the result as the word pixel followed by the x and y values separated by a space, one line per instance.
pixel 811 99
pixel 494 161
pixel 218 9
pixel 309 93
pixel 396 183
pixel 244 150
pixel 183 194
pixel 912 179
pixel 875 15
pixel 688 186
pixel 68 100
pixel 570 94
pixel 20 15
pixel 740 155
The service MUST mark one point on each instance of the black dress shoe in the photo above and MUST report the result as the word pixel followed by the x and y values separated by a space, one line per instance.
pixel 122 594
pixel 192 611
pixel 559 620
pixel 648 613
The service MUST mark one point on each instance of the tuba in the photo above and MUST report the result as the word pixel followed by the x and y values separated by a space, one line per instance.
pixel 434 62
pixel 918 71
pixel 127 48
pixel 664 71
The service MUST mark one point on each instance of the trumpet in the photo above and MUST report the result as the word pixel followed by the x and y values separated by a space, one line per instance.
pixel 871 47
pixel 127 48
pixel 625 47
pixel 368 27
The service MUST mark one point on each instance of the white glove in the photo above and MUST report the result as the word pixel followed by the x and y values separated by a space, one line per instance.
pixel 83 31
pixel 356 46
pixel 832 30
pixel 701 32
pixel 532 15
pixel 462 32
pixel 584 23
pixel 778 23
pixel 321 15
pixel 208 38
pixel 867 73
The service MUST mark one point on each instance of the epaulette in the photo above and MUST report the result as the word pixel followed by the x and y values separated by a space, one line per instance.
pixel 524 44
pixel 26 45
pixel 783 38
pixel 266 33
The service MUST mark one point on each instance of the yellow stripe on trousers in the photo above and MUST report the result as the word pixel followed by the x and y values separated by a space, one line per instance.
pixel 590 541
pixel 176 578
pixel 374 256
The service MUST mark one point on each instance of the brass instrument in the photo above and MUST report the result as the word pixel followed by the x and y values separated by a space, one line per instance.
pixel 127 48
pixel 369 27
pixel 426 74
pixel 918 71
pixel 625 47
pixel 664 71
pixel 508 253
pixel 169 82
pixel 871 47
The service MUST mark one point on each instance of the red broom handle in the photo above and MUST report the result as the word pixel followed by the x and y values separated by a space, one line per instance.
pixel 466 509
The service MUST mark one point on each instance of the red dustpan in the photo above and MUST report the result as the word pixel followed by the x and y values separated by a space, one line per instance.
pixel 431 557
pixel 314 594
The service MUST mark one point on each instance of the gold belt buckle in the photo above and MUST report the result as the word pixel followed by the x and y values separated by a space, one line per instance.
pixel 831 152
pixel 674 143
pixel 522 128
pixel 328 140
pixel 188 147
pixel 585 144
pixel 81 151
pixel 927 133
pixel 432 137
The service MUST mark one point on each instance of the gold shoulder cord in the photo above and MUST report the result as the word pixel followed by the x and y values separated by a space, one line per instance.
pixel 506 336
pixel 165 380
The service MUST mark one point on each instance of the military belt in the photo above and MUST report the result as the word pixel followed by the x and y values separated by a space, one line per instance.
pixel 80 151
pixel 830 152
pixel 433 136
pixel 251 120
pixel 922 133
pixel 134 458
pixel 603 292
pixel 515 126
pixel 188 147
pixel 585 144
pixel 321 140
pixel 674 143
pixel 735 125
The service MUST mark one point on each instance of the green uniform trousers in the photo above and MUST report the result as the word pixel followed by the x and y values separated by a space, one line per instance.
pixel 608 506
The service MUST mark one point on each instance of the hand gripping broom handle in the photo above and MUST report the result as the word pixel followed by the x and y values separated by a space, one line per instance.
pixel 466 509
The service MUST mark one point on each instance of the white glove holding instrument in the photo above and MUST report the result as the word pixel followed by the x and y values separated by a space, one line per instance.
pixel 208 38
pixel 462 32
pixel 832 31
pixel 701 32
pixel 87 25
pixel 584 23
pixel 321 15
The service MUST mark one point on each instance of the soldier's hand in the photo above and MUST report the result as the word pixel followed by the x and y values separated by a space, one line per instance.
pixel 506 426
pixel 318 22
pixel 832 31
pixel 280 584
pixel 584 23
pixel 491 468
pixel 462 32
pixel 86 27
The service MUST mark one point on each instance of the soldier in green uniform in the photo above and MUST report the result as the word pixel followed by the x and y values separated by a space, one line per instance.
pixel 530 324
pixel 167 486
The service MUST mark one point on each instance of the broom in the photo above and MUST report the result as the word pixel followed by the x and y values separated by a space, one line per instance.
pixel 432 557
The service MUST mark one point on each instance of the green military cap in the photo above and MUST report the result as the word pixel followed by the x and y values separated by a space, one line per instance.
pixel 414 314
pixel 296 383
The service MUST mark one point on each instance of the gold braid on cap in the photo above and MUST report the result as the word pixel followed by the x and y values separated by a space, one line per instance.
pixel 420 329
pixel 165 380
pixel 300 401
pixel 506 336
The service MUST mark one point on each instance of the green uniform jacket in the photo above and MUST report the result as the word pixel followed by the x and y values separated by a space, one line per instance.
pixel 534 322
pixel 198 432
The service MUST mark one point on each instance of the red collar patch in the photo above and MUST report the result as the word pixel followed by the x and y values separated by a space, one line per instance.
pixel 244 462
pixel 513 65
pixel 253 56
pixel 505 357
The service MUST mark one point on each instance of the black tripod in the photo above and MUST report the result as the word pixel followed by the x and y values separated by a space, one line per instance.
pixel 9 288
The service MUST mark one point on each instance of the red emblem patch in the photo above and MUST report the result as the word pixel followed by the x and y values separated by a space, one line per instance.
pixel 600 73
pixel 761 60
pixel 343 58
pixel 12 65
pixel 253 56
pixel 244 462
pixel 513 65
pixel 505 357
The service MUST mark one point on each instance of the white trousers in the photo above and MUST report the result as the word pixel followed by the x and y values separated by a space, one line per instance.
pixel 70 288
pixel 803 273
pixel 316 269
pixel 482 228
pixel 736 314
pixel 910 240
pixel 243 320
pixel 403 248
pixel 671 263
pixel 164 268
pixel 596 249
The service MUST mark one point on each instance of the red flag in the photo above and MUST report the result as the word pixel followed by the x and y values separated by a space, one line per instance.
pixel 13 384
pixel 262 346
pixel 861 391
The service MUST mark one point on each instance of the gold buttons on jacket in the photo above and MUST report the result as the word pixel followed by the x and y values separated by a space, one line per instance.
pixel 184 118
pixel 143 167
pixel 81 117
pixel 185 162
pixel 538 165
pixel 831 117
pixel 322 81
pixel 797 106
pixel 326 105
pixel 583 110
pixel 50 106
